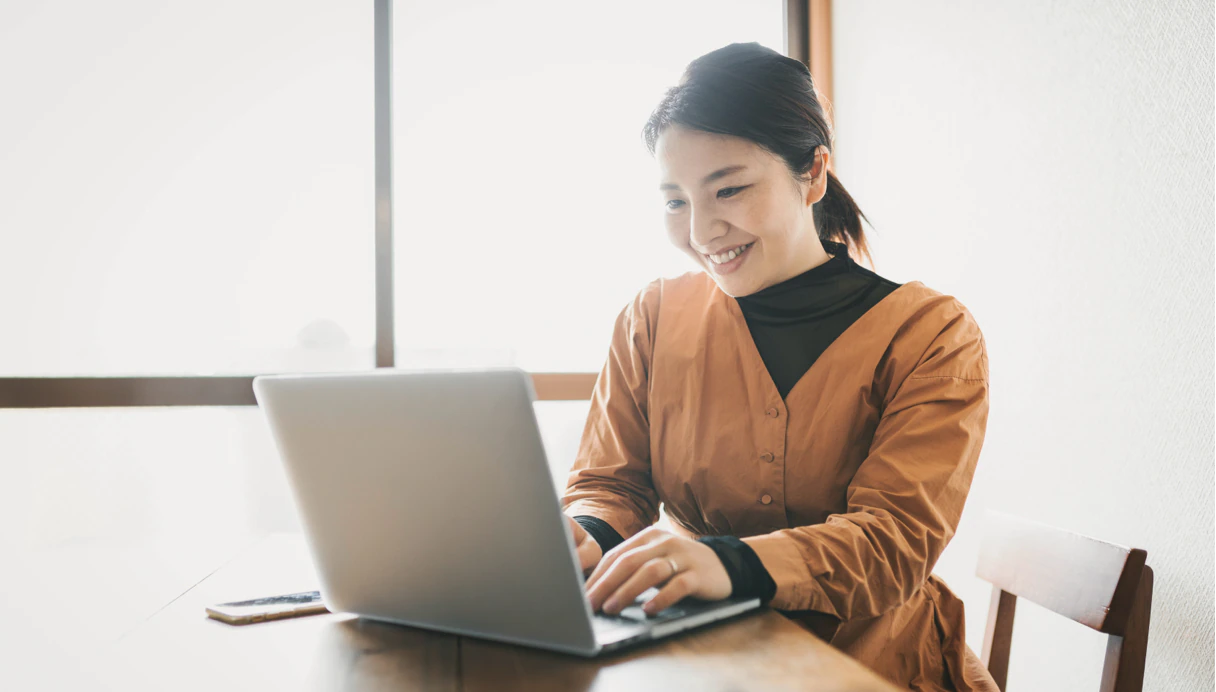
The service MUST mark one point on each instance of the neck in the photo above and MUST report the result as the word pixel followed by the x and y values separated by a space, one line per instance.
pixel 813 257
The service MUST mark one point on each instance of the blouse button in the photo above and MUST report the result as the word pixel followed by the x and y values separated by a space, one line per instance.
pixel 767 499
pixel 767 456
pixel 772 413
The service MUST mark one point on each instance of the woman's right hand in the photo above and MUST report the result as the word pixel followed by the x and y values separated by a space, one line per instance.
pixel 589 552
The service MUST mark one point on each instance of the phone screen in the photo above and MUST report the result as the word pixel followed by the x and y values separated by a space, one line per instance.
pixel 269 608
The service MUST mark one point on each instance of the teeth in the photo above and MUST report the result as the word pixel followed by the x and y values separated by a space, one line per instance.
pixel 728 256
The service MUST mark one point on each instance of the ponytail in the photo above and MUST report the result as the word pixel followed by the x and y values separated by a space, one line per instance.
pixel 838 219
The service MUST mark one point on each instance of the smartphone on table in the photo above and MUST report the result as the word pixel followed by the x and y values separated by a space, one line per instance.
pixel 269 608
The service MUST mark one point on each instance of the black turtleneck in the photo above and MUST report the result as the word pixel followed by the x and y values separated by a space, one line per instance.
pixel 792 323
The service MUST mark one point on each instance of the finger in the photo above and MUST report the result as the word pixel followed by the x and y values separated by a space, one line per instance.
pixel 675 589
pixel 610 557
pixel 625 567
pixel 611 571
pixel 652 573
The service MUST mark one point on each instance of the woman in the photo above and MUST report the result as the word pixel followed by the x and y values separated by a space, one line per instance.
pixel 810 427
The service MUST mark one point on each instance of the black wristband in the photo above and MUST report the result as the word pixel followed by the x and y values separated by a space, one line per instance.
pixel 601 531
pixel 748 576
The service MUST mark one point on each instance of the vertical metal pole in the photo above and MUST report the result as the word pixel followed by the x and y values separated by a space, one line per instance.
pixel 384 182
pixel 796 30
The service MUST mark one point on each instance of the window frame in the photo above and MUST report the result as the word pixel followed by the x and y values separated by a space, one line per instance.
pixel 807 38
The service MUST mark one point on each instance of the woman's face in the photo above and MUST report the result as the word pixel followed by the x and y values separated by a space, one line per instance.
pixel 724 194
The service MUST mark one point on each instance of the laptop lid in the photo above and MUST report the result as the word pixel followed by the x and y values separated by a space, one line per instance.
pixel 427 500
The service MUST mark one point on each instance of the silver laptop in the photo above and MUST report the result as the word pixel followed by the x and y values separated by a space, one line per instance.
pixel 427 501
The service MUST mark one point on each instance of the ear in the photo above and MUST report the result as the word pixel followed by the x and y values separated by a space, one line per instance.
pixel 817 186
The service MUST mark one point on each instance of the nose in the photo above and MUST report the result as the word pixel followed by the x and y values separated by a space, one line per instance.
pixel 703 229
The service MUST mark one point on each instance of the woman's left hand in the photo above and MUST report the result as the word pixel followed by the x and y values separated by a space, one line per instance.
pixel 678 566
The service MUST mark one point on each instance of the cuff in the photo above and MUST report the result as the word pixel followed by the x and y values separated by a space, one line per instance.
pixel 599 529
pixel 748 577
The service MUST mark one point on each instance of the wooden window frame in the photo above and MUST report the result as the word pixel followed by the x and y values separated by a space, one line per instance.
pixel 808 38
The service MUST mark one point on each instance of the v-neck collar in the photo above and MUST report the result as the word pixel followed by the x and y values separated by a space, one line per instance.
pixel 752 353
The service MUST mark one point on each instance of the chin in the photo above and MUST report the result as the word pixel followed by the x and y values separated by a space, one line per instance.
pixel 732 286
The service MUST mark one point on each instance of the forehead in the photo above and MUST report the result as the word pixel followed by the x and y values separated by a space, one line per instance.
pixel 685 155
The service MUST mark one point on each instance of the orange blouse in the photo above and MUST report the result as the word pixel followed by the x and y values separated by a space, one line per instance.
pixel 848 490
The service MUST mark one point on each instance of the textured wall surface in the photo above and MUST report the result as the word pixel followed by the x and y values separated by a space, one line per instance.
pixel 1051 165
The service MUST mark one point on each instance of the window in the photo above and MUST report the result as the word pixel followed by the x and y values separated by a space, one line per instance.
pixel 526 206
pixel 191 191
pixel 187 187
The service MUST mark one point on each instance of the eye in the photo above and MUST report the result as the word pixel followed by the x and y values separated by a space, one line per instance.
pixel 673 204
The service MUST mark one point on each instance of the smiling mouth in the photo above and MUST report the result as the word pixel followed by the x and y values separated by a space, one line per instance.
pixel 725 257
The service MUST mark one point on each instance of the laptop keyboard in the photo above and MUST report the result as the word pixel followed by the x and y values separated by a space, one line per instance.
pixel 633 614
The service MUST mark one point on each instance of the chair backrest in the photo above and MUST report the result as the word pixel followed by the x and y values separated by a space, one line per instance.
pixel 1103 586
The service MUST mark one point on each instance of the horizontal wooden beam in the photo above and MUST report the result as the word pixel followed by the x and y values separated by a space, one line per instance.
pixel 563 386
pixel 87 392
pixel 235 390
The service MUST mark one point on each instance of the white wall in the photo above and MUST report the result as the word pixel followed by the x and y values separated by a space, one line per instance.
pixel 1051 165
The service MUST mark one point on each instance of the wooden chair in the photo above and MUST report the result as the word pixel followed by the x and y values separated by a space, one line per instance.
pixel 1101 585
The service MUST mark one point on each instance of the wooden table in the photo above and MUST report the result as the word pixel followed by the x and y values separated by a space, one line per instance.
pixel 179 648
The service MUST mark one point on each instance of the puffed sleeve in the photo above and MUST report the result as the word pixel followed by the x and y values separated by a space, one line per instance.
pixel 610 478
pixel 906 498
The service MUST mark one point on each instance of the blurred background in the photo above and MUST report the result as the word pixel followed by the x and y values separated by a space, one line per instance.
pixel 187 190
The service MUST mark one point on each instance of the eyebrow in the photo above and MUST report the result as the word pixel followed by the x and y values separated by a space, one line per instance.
pixel 721 173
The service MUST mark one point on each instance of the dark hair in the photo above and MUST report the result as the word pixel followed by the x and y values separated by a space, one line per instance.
pixel 750 91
